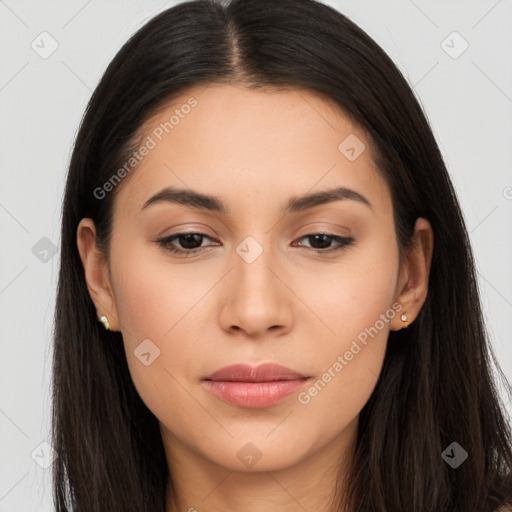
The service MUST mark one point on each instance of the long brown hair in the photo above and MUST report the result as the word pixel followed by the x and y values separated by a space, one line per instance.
pixel 436 385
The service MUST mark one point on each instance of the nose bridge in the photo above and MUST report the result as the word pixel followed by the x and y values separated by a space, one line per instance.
pixel 253 257
pixel 257 298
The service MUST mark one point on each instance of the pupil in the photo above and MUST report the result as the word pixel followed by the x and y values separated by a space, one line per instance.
pixel 325 239
pixel 188 239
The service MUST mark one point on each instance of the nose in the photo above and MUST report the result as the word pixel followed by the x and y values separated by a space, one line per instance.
pixel 256 297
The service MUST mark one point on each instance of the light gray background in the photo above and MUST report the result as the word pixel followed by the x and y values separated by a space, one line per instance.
pixel 468 101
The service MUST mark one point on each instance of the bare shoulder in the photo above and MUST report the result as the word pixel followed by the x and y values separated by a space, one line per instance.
pixel 507 508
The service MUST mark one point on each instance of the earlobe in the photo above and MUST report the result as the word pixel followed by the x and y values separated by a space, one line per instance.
pixel 96 272
pixel 413 288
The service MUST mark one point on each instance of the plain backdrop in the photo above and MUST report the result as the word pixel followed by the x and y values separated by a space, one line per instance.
pixel 465 92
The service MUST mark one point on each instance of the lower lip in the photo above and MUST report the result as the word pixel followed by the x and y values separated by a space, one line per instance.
pixel 254 394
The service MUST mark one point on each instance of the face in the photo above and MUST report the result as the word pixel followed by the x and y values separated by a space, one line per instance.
pixel 254 275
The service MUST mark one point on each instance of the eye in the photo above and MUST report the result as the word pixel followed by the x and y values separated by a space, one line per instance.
pixel 321 242
pixel 191 243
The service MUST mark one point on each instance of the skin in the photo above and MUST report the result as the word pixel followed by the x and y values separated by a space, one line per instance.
pixel 292 305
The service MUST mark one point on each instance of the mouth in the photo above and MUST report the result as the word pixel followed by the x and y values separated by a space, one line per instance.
pixel 254 387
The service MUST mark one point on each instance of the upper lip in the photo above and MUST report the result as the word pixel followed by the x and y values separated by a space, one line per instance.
pixel 263 373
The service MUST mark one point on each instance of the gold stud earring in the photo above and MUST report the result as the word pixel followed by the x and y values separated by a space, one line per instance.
pixel 104 320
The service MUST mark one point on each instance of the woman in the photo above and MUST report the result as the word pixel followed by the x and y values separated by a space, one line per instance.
pixel 267 297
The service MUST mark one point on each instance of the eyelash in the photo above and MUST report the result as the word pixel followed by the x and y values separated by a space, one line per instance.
pixel 165 242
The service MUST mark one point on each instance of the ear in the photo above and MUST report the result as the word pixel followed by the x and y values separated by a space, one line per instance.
pixel 412 285
pixel 96 273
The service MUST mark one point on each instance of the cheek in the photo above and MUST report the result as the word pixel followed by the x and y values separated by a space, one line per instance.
pixel 150 301
pixel 151 295
pixel 349 297
pixel 160 302
pixel 358 311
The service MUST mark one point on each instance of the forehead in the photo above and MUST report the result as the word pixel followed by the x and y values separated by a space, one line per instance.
pixel 234 142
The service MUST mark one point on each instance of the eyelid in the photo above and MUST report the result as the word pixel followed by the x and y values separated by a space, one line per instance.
pixel 320 227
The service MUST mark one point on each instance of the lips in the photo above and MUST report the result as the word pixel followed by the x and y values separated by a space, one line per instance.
pixel 268 372
pixel 265 385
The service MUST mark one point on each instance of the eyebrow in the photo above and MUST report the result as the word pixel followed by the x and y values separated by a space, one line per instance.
pixel 215 204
